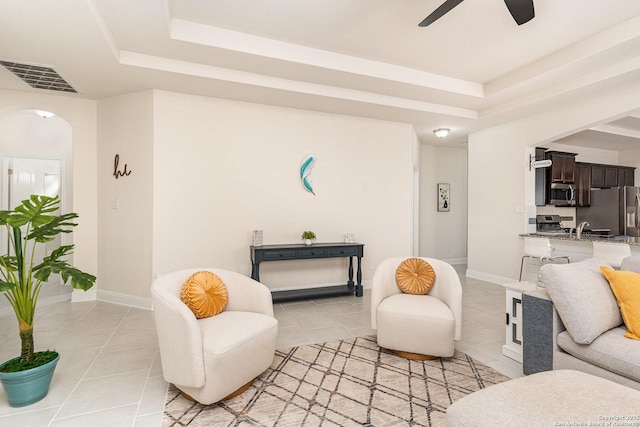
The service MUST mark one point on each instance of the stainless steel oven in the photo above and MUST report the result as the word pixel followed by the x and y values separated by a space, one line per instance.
pixel 562 194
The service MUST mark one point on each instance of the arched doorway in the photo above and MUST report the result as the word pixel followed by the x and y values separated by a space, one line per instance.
pixel 35 157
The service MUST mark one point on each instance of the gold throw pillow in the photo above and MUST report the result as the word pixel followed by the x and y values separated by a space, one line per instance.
pixel 205 294
pixel 626 288
pixel 415 276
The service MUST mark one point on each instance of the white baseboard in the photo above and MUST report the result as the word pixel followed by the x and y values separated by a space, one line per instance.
pixel 366 284
pixel 6 310
pixel 79 295
pixel 512 354
pixel 123 299
pixel 492 278
pixel 130 300
pixel 294 287
pixel 455 261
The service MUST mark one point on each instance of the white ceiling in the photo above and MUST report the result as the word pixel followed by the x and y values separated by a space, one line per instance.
pixel 471 69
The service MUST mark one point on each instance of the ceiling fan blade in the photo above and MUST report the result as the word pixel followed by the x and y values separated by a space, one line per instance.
pixel 521 10
pixel 439 12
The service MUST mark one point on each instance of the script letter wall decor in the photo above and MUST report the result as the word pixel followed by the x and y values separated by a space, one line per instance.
pixel 116 171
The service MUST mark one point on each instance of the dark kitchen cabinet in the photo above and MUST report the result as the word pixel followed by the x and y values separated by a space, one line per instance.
pixel 597 176
pixel 610 177
pixel 562 166
pixel 604 176
pixel 583 184
pixel 586 176
pixel 626 177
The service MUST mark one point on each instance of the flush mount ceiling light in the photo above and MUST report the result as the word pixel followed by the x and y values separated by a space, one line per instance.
pixel 44 114
pixel 442 132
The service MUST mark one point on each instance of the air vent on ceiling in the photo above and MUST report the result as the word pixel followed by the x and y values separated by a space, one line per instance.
pixel 38 76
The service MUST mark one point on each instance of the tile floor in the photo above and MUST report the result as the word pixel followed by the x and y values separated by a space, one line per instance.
pixel 109 373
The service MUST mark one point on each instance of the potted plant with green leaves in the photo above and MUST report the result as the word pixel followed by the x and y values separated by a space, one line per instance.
pixel 34 222
pixel 308 237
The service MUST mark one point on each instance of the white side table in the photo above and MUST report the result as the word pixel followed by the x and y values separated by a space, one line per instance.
pixel 512 347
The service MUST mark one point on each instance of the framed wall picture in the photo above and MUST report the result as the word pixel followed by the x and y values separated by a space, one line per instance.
pixel 443 197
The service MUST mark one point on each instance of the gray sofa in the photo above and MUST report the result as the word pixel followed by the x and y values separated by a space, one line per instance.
pixel 586 325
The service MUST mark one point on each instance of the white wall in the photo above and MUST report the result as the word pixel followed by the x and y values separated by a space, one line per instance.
pixel 443 235
pixel 206 172
pixel 632 158
pixel 498 159
pixel 224 168
pixel 81 116
pixel 235 169
pixel 126 204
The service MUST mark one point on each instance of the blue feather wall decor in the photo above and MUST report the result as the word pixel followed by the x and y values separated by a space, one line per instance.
pixel 305 172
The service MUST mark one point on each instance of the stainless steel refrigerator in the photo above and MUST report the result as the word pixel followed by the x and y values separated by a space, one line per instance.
pixel 616 209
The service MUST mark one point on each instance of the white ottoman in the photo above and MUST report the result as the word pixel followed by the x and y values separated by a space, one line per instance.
pixel 552 398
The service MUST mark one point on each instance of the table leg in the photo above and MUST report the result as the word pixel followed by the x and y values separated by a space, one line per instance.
pixel 359 278
pixel 350 281
pixel 255 271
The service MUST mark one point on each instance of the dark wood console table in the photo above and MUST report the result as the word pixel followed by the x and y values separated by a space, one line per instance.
pixel 266 253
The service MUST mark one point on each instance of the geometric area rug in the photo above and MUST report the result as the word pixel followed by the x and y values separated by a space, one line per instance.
pixel 350 382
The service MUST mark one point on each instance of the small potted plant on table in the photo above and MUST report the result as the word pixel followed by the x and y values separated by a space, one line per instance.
pixel 26 378
pixel 308 237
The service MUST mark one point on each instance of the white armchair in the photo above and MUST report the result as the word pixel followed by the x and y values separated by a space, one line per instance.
pixel 417 326
pixel 217 357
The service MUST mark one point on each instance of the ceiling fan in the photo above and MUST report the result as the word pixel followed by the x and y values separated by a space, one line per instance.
pixel 521 10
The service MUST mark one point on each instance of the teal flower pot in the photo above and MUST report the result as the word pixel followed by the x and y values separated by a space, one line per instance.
pixel 27 387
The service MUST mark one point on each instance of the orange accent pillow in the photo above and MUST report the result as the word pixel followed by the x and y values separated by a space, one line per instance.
pixel 415 276
pixel 626 288
pixel 205 294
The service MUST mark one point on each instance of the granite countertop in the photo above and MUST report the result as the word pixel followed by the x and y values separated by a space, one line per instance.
pixel 633 241
pixel 522 286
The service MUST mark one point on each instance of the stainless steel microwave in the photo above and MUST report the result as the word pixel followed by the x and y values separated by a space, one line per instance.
pixel 562 194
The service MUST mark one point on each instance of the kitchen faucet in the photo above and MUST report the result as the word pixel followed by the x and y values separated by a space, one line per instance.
pixel 579 229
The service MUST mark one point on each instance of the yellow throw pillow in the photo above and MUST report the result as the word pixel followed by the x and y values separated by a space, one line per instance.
pixel 205 294
pixel 415 276
pixel 626 287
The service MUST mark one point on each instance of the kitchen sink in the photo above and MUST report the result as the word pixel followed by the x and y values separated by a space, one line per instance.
pixel 552 233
